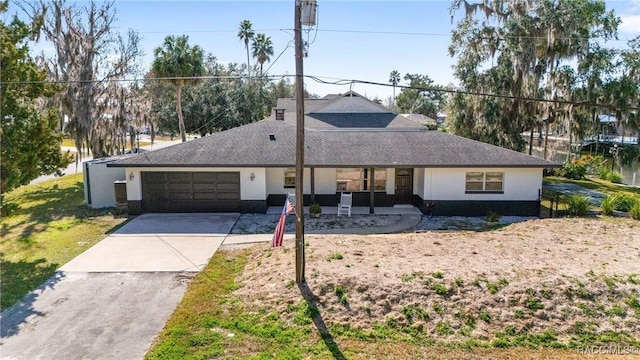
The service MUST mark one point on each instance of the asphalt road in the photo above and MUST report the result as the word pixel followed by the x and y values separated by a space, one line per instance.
pixel 90 316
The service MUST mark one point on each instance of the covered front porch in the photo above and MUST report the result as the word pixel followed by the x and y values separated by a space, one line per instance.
pixel 359 210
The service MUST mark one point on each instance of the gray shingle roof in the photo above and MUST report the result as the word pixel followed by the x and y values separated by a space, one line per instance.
pixel 249 146
pixel 358 120
pixel 310 105
pixel 334 103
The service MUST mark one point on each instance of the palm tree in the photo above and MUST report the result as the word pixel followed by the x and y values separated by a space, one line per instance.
pixel 394 79
pixel 246 34
pixel 179 63
pixel 262 48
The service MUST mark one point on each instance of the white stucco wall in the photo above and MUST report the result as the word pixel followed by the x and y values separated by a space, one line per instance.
pixel 275 182
pixel 249 189
pixel 391 181
pixel 325 181
pixel 449 184
pixel 418 182
pixel 101 180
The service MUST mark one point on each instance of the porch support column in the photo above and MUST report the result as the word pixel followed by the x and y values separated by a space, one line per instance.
pixel 371 190
pixel 313 186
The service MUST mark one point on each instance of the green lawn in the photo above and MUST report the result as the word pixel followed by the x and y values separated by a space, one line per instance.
pixel 72 143
pixel 48 226
pixel 604 186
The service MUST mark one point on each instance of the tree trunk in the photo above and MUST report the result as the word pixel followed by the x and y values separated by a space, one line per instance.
pixel 153 132
pixel 248 66
pixel 597 122
pixel 531 140
pixel 546 135
pixel 183 134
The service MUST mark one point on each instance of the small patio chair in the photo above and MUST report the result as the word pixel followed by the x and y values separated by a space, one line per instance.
pixel 345 204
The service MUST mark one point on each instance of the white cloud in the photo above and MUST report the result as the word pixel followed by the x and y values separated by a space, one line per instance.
pixel 630 24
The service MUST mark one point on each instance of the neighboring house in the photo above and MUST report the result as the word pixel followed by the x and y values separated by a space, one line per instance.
pixel 351 144
pixel 421 119
pixel 613 130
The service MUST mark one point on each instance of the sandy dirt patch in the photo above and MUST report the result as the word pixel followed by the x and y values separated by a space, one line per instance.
pixel 568 276
pixel 264 224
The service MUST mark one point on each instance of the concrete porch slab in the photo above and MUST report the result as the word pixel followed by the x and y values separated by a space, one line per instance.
pixel 360 210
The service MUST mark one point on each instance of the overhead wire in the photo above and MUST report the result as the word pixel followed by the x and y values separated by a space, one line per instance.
pixel 380 32
pixel 337 82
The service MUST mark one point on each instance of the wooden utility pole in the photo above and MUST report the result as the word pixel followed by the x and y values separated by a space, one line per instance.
pixel 299 146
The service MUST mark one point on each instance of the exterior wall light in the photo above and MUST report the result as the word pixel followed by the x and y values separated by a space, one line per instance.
pixel 252 176
pixel 131 176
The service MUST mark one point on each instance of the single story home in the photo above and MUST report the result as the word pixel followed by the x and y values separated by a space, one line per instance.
pixel 351 145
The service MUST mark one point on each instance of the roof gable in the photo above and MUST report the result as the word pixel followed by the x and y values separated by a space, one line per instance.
pixel 352 103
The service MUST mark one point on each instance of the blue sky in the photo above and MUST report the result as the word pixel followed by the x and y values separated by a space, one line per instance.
pixel 346 44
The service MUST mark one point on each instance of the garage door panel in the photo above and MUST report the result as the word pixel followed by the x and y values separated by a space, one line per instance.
pixel 180 187
pixel 180 206
pixel 204 187
pixel 191 191
pixel 205 196
pixel 155 177
pixel 228 196
pixel 204 177
pixel 179 196
pixel 179 177
pixel 228 187
pixel 228 177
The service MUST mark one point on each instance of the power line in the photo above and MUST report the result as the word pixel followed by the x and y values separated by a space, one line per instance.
pixel 378 32
pixel 336 81
pixel 450 33
pixel 472 93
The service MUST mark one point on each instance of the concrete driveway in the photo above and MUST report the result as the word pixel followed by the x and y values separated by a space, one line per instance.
pixel 157 242
pixel 112 300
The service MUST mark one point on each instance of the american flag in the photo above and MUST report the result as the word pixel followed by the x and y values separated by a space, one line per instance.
pixel 278 234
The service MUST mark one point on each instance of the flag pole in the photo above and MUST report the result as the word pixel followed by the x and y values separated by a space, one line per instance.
pixel 299 145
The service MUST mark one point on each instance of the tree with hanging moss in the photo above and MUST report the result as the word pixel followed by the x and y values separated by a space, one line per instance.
pixel 29 141
pixel 517 49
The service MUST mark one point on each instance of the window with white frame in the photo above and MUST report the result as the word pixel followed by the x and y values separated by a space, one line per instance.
pixel 485 182
pixel 289 178
pixel 356 179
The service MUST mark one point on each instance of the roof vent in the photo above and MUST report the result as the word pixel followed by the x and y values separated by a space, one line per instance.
pixel 272 137
pixel 279 114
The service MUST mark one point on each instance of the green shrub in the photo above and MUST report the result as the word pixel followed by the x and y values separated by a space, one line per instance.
pixel 608 205
pixel 624 202
pixel 610 175
pixel 430 125
pixel 635 211
pixel 578 205
pixel 603 173
pixel 492 217
pixel 615 177
pixel 573 170
pixel 315 209
pixel 593 164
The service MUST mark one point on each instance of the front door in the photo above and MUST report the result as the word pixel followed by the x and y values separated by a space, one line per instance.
pixel 404 186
